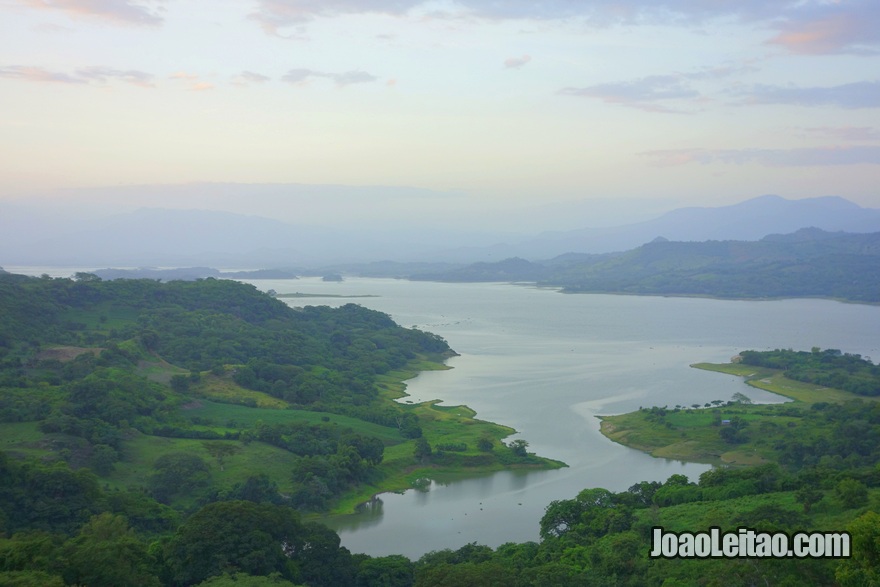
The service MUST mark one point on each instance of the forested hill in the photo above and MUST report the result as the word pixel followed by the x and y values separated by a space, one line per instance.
pixel 808 263
pixel 172 433
pixel 91 369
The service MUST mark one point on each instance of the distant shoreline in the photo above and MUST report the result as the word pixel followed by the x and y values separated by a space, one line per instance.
pixel 313 295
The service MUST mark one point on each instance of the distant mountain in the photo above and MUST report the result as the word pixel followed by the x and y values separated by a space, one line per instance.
pixel 185 238
pixel 182 238
pixel 807 263
pixel 747 221
pixel 190 238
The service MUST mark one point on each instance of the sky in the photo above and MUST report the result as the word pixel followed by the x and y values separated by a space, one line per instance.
pixel 473 105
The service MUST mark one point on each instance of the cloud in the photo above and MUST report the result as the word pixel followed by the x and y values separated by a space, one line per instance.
pixel 805 157
pixel 846 133
pixel 274 14
pixel 120 11
pixel 301 75
pixel 841 27
pixel 516 62
pixel 251 77
pixel 106 74
pixel 37 74
pixel 850 96
pixel 86 75
pixel 195 83
pixel 807 26
pixel 644 93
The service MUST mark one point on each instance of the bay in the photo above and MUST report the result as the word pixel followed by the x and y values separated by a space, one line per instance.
pixel 547 364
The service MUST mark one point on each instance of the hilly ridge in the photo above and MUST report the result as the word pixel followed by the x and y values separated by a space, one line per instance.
pixel 198 237
pixel 809 262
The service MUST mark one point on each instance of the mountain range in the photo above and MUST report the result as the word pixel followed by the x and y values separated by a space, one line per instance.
pixel 175 237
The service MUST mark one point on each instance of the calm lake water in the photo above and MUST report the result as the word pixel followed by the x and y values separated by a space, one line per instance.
pixel 547 364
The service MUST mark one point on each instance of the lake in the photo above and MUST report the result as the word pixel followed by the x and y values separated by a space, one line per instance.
pixel 547 364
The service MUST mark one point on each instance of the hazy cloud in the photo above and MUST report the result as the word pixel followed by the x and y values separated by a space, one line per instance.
pixel 516 62
pixel 195 82
pixel 85 75
pixel 839 27
pixel 846 133
pixel 854 95
pixel 300 75
pixel 275 14
pixel 183 75
pixel 809 26
pixel 121 11
pixel 251 77
pixel 645 93
pixel 806 157
pixel 37 74
pixel 106 74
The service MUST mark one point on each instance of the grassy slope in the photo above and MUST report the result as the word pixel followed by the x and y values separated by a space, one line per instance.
pixel 218 404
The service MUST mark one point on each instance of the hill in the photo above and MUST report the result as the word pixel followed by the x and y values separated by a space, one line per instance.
pixel 810 262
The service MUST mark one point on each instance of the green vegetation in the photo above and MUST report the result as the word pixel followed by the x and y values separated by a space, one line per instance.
pixel 172 434
pixel 137 414
pixel 808 464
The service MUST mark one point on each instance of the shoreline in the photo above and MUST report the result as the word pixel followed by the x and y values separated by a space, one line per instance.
pixel 401 471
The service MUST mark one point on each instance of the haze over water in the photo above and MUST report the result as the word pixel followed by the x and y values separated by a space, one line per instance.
pixel 546 364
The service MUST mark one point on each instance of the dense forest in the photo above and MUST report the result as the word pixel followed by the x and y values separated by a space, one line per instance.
pixel 174 434
pixel 808 263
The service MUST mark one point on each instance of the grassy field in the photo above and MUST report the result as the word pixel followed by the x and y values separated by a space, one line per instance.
pixel 774 381
pixel 222 417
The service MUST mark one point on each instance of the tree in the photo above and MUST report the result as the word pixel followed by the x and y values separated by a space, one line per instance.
pixel 237 537
pixel 422 450
pixel 386 571
pixel 30 579
pixel 102 459
pixel 180 383
pixel 176 473
pixel 808 497
pixel 83 277
pixel 107 553
pixel 852 493
pixel 220 450
pixel 519 447
pixel 485 444
pixel 863 568
pixel 244 580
